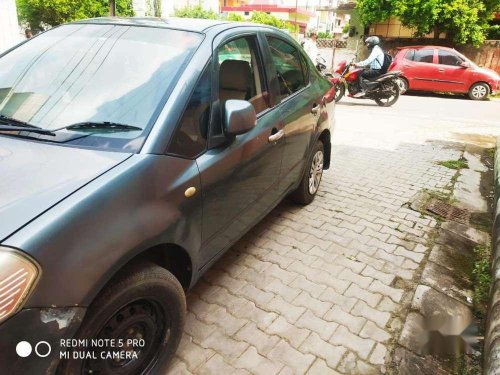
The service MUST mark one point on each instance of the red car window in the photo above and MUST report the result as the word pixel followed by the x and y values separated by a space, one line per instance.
pixel 448 58
pixel 423 55
pixel 410 54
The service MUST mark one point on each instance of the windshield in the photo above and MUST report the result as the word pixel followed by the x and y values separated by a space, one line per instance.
pixel 94 73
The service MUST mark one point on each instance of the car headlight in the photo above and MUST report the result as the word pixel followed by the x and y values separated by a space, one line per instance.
pixel 18 276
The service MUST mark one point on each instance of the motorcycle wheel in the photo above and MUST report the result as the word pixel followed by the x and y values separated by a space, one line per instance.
pixel 389 100
pixel 339 91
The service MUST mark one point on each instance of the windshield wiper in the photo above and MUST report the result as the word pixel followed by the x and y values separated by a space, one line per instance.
pixel 12 124
pixel 24 128
pixel 12 120
pixel 105 125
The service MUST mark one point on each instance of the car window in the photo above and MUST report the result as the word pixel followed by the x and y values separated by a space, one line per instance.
pixel 424 55
pixel 448 58
pixel 240 73
pixel 410 54
pixel 190 139
pixel 286 59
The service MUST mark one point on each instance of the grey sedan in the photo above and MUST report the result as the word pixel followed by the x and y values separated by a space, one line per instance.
pixel 133 154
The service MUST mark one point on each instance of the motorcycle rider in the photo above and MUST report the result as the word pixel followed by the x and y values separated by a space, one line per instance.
pixel 373 63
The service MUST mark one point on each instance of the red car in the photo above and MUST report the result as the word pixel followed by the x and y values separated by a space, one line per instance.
pixel 434 68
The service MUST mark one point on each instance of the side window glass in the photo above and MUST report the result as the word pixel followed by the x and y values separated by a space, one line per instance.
pixel 448 58
pixel 241 74
pixel 424 55
pixel 190 139
pixel 410 54
pixel 286 59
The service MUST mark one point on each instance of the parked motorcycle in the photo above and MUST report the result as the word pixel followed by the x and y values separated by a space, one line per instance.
pixel 384 89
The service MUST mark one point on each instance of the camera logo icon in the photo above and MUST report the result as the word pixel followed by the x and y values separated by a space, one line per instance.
pixel 42 349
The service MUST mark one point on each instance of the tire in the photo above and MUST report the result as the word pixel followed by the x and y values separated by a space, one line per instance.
pixel 311 179
pixel 403 85
pixel 387 102
pixel 479 91
pixel 339 91
pixel 145 301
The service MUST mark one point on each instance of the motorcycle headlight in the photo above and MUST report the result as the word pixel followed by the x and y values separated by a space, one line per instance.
pixel 18 276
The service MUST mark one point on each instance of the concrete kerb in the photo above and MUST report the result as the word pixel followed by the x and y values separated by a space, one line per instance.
pixel 492 335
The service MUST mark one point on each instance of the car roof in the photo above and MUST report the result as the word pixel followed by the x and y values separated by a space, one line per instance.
pixel 423 46
pixel 187 24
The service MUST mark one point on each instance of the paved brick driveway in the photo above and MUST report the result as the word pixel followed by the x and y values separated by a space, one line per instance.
pixel 324 288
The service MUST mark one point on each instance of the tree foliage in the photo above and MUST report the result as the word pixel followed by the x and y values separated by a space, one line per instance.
pixel 465 21
pixel 235 17
pixel 256 17
pixel 39 14
pixel 267 19
pixel 196 11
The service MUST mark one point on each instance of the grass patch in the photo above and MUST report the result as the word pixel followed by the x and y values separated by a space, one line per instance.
pixel 481 277
pixel 491 154
pixel 455 164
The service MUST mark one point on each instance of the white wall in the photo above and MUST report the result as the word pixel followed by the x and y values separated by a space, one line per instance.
pixel 9 27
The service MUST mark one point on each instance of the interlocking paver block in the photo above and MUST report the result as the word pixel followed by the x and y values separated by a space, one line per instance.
pixel 294 335
pixel 293 358
pixel 255 363
pixel 323 328
pixel 320 348
pixel 353 323
pixel 342 337
pixel 256 337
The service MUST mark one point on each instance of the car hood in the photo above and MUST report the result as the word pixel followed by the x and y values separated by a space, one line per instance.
pixel 35 176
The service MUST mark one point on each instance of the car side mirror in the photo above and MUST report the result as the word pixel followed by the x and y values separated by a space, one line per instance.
pixel 239 117
pixel 464 64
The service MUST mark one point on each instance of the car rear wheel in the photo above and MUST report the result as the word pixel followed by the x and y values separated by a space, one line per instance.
pixel 309 184
pixel 403 85
pixel 479 91
pixel 145 308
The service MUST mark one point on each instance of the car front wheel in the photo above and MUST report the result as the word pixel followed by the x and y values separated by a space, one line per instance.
pixel 143 311
pixel 479 91
pixel 309 184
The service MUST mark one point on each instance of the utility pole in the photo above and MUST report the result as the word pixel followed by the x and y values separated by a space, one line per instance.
pixel 112 8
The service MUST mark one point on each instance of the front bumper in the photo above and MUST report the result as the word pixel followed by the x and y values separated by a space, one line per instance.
pixel 33 326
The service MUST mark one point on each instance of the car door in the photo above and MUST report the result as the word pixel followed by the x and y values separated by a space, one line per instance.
pixel 420 69
pixel 452 75
pixel 299 104
pixel 239 176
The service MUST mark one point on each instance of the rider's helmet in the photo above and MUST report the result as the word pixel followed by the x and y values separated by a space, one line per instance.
pixel 372 41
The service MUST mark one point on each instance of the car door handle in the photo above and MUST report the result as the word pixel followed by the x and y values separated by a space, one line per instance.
pixel 441 70
pixel 276 136
pixel 315 109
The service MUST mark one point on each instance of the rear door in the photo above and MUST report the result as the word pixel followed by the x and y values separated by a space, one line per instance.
pixel 420 68
pixel 452 76
pixel 299 103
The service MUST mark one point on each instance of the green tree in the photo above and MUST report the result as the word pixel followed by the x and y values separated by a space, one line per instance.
pixel 195 12
pixel 39 14
pixel 464 21
pixel 267 19
pixel 235 17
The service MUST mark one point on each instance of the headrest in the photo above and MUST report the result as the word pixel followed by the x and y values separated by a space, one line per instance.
pixel 235 75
